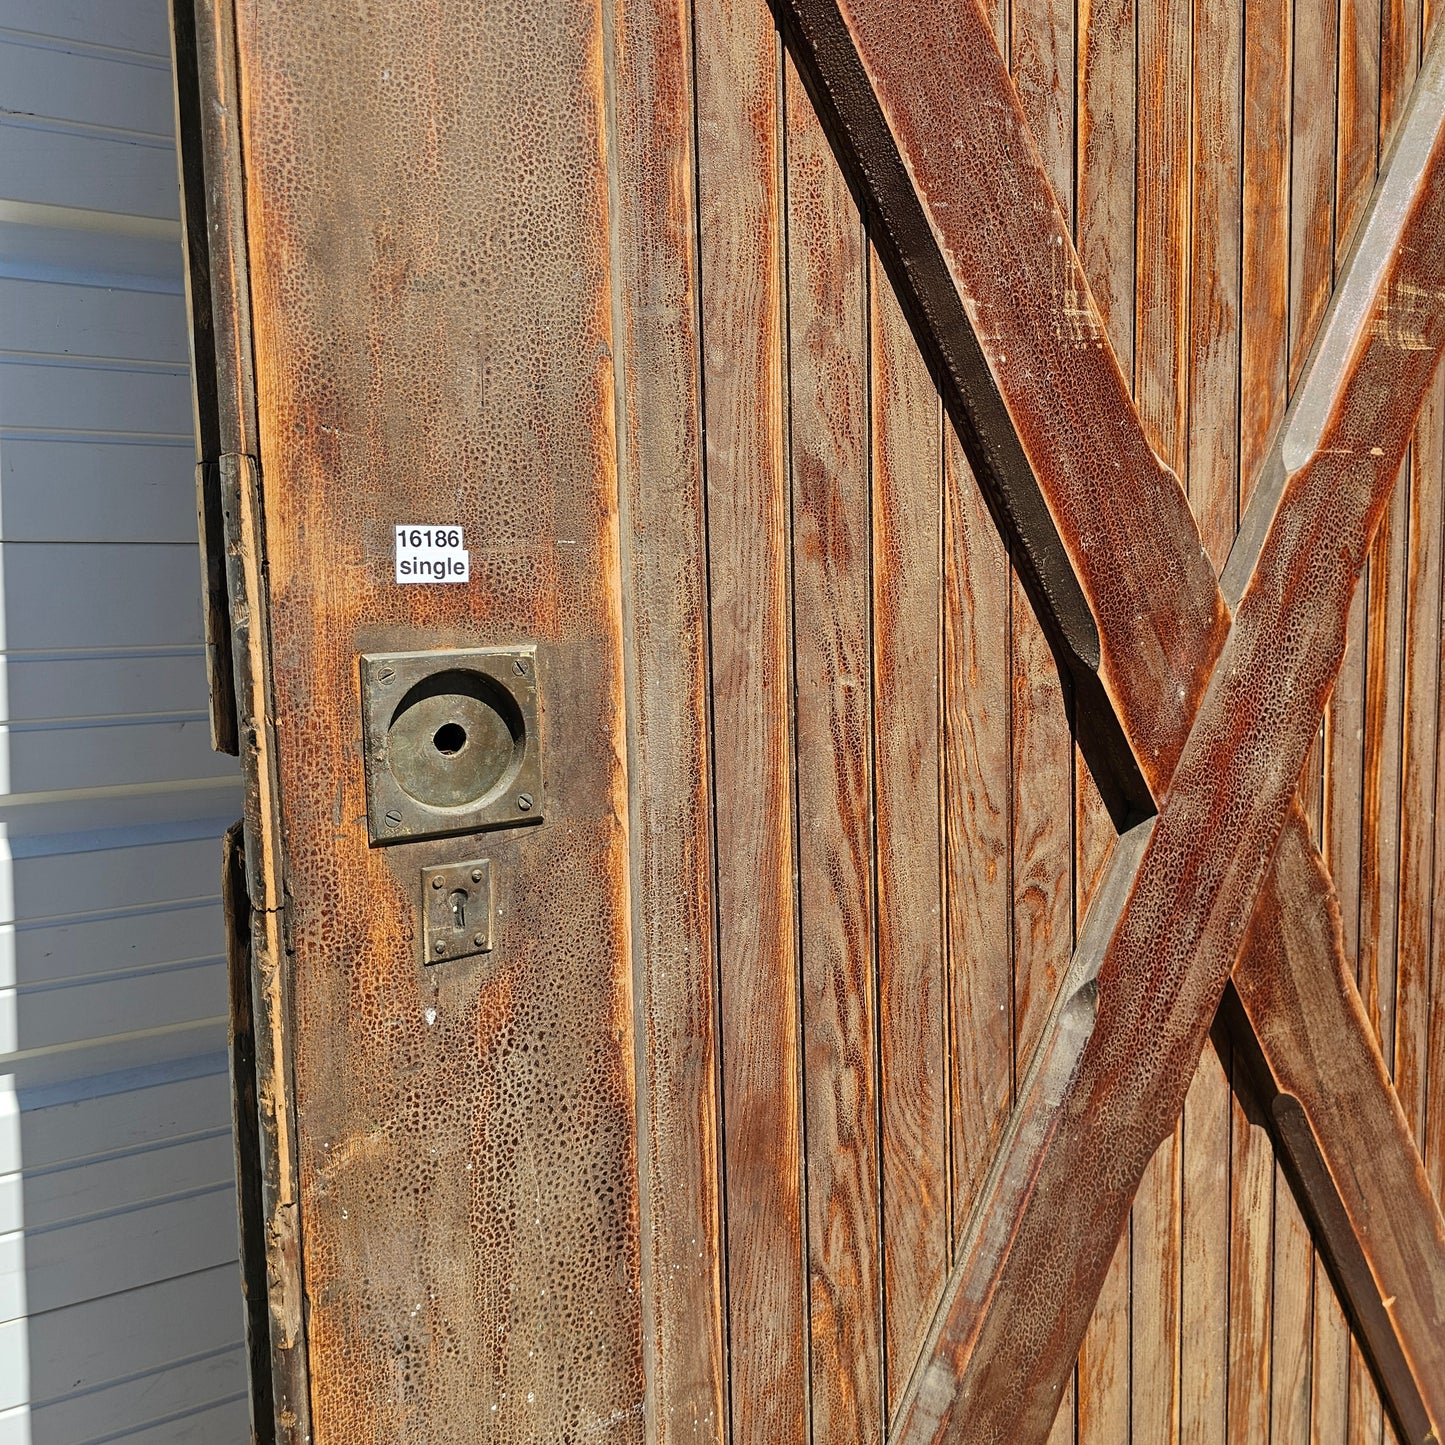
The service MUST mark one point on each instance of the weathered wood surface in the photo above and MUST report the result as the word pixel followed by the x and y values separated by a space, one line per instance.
pixel 856 840
pixel 952 217
pixel 663 550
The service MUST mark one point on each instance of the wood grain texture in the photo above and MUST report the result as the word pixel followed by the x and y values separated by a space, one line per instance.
pixel 1399 63
pixel 1312 174
pixel 907 619
pixel 466 1136
pixel 1328 526
pixel 1264 343
pixel 650 104
pixel 1357 115
pixel 1212 460
pixel 1252 1262
pixel 978 793
pixel 1162 243
pixel 1420 761
pixel 1380 786
pixel 1292 1347
pixel 740 171
pixel 828 386
pixel 1104 225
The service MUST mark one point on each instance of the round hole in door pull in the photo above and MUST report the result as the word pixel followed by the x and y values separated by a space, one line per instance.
pixel 455 739
pixel 450 739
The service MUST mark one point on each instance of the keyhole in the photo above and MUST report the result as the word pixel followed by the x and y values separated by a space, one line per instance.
pixel 458 900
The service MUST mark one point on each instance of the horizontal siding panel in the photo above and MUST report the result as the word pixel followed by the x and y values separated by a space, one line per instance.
pixel 102 1341
pixel 156 938
pixel 80 490
pixel 116 878
pixel 88 89
pixel 75 756
pixel 163 1398
pixel 126 684
pixel 123 26
pixel 92 596
pixel 94 255
pixel 151 1049
pixel 99 1126
pixel 223 1422
pixel 121 1251
pixel 57 168
pixel 93 399
pixel 144 1177
pixel 58 319
pixel 50 1015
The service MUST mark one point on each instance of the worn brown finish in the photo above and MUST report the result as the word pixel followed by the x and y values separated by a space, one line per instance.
pixel 740 172
pixel 828 375
pixel 663 547
pixel 846 837
pixel 452 1225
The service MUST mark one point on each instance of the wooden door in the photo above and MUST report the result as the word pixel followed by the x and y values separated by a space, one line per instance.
pixel 834 616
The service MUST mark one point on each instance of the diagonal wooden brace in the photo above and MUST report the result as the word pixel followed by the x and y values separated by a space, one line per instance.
pixel 944 163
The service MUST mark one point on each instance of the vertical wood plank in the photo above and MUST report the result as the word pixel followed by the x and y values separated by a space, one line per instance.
pixel 1042 832
pixel 1380 792
pixel 828 369
pixel 1357 141
pixel 1265 234
pixel 1433 1143
pixel 739 174
pixel 1212 470
pixel 1379 838
pixel 1432 1136
pixel 1105 170
pixel 1214 293
pixel 1041 60
pixel 1312 172
pixel 907 435
pixel 1420 761
pixel 1104 202
pixel 976 770
pixel 1162 245
pixel 1342 828
pixel 1251 1266
pixel 1103 1376
pixel 649 58
pixel 1294 1312
pixel 1042 52
pixel 1330 1367
pixel 1399 62
pixel 1161 385
pixel 1154 1347
pixel 1204 1243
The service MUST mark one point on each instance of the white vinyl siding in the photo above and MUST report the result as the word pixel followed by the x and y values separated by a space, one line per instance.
pixel 120 1313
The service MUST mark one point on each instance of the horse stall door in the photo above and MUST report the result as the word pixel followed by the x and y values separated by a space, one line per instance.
pixel 832 612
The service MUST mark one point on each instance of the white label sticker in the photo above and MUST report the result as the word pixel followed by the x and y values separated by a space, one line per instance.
pixel 431 554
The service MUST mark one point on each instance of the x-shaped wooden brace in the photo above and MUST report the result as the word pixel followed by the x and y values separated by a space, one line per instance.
pixel 1184 710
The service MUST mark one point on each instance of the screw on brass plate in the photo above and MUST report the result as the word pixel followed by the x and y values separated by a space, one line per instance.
pixel 393 818
pixel 386 676
pixel 437 881
pixel 519 666
pixel 476 875
pixel 479 939
pixel 441 947
pixel 524 801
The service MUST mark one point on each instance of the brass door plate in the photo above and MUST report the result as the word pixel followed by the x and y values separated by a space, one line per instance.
pixel 456 910
pixel 452 741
